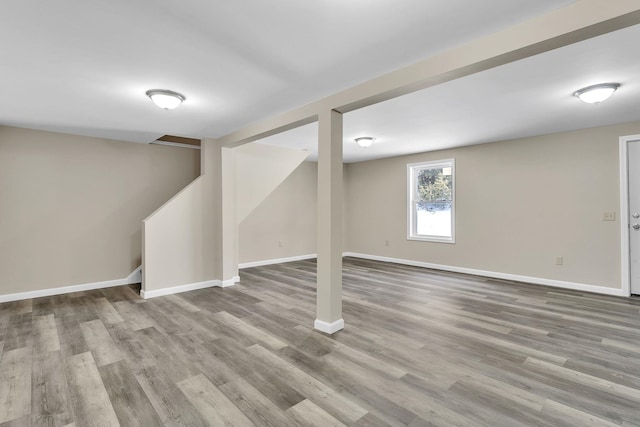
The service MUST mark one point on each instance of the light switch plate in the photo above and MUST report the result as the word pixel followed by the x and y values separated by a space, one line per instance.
pixel 609 216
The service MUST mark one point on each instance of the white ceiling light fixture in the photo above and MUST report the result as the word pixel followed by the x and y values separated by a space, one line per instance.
pixel 365 141
pixel 166 99
pixel 596 93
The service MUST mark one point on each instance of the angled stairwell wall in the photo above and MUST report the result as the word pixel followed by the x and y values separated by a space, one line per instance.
pixel 191 241
pixel 260 169
pixel 174 243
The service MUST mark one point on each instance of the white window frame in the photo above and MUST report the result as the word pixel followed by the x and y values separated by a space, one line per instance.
pixel 411 201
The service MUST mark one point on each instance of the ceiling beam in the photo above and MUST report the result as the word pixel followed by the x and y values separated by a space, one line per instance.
pixel 579 21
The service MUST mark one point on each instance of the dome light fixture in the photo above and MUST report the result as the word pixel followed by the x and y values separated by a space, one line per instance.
pixel 365 141
pixel 165 99
pixel 596 93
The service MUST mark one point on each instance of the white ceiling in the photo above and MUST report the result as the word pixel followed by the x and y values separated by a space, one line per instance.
pixel 525 98
pixel 83 67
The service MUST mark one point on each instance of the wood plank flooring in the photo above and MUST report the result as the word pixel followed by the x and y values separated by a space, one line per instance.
pixel 420 348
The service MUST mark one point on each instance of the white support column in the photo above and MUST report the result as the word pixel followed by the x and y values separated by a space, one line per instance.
pixel 221 210
pixel 229 270
pixel 329 280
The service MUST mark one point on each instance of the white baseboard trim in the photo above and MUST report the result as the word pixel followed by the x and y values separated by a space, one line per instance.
pixel 135 276
pixel 186 288
pixel 130 279
pixel 496 275
pixel 227 283
pixel 328 328
pixel 276 261
pixel 179 289
pixel 236 279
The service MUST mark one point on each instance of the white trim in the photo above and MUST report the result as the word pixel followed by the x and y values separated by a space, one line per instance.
pixel 70 289
pixel 236 279
pixel 188 287
pixel 328 328
pixel 228 282
pixel 179 289
pixel 276 261
pixel 496 275
pixel 434 239
pixel 625 261
pixel 175 144
pixel 135 276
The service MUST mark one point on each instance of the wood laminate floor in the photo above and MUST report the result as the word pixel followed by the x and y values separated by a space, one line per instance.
pixel 420 348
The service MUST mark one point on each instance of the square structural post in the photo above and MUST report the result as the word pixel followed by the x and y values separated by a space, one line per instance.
pixel 330 187
pixel 219 205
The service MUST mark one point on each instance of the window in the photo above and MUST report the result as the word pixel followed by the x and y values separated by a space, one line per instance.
pixel 431 201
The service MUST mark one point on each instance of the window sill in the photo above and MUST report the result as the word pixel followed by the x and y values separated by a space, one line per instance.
pixel 449 240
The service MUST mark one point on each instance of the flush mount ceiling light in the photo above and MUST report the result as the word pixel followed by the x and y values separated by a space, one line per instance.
pixel 365 141
pixel 596 93
pixel 166 99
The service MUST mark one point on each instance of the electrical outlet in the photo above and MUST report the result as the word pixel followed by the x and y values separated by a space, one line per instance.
pixel 559 260
pixel 609 216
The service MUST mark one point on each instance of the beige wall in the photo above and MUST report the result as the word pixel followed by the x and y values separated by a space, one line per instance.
pixel 520 204
pixel 288 215
pixel 71 207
